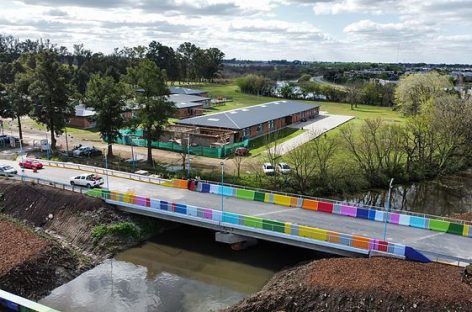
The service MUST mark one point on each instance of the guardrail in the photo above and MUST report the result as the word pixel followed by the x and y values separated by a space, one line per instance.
pixel 394 216
pixel 287 230
pixel 11 302
pixel 241 220
pixel 169 182
pixel 110 172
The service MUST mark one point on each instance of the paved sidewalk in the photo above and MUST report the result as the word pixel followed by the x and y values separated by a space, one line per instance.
pixel 314 128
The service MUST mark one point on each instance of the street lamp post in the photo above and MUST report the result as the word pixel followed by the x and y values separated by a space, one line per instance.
pixel 387 209
pixel 106 168
pixel 222 194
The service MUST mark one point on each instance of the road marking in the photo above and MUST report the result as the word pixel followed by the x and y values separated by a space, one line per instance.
pixel 272 212
pixel 423 237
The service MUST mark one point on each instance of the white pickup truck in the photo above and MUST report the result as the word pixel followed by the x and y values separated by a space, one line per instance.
pixel 87 179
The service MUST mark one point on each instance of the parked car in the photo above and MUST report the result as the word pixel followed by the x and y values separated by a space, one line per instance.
pixel 29 163
pixel 241 151
pixel 283 168
pixel 7 170
pixel 86 151
pixel 268 169
pixel 87 179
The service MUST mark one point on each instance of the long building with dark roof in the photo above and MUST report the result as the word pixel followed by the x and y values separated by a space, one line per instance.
pixel 255 121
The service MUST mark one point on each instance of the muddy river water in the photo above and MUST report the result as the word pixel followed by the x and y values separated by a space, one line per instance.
pixel 180 270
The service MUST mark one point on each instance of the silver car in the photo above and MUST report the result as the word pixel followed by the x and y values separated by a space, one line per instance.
pixel 7 170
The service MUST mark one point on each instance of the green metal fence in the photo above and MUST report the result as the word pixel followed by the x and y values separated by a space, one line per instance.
pixel 130 137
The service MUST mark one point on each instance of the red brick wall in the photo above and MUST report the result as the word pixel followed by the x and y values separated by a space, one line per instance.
pixel 80 122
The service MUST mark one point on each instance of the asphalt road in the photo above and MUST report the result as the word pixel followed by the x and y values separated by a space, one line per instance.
pixel 442 243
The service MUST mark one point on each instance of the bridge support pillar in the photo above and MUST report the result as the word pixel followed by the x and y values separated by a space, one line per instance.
pixel 237 242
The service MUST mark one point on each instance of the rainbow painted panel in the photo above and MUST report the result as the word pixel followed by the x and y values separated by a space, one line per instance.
pixel 337 209
pixel 140 201
pixel 466 230
pixel 360 242
pixel 269 198
pixel 207 213
pixel 288 228
pixel 438 225
pixel 294 229
pixel 345 239
pixel 455 228
pixel 228 191
pixel 272 225
pixel 215 189
pixel 394 218
pixel 181 208
pixel 216 215
pixel 310 204
pixel 314 233
pixel 164 205
pixel 259 196
pixel 192 211
pixel 198 187
pixel 245 194
pixel 155 203
pixel 404 220
pixel 205 188
pixel 252 222
pixel 418 222
pixel 281 200
pixel 325 207
pixel 229 217
pixel 348 211
pixel 372 214
pixel 334 237
pixel 380 216
pixel 363 213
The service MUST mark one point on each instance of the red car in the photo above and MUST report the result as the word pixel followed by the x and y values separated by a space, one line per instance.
pixel 30 164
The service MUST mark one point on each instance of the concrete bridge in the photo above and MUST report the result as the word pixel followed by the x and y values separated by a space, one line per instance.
pixel 310 228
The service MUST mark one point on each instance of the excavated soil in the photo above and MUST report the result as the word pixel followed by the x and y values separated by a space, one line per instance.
pixel 375 284
pixel 46 236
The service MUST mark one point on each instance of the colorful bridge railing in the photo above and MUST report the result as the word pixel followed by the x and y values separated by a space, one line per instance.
pixel 292 230
pixel 368 213
pixel 10 302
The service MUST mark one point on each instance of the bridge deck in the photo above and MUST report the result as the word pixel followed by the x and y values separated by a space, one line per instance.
pixel 424 240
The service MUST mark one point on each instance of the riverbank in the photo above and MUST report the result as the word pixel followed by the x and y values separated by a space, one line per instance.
pixel 50 236
pixel 374 284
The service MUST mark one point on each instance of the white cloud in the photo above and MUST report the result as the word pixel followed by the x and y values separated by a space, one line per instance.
pixel 250 29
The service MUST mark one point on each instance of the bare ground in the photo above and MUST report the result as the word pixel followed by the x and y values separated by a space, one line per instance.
pixel 47 236
pixel 375 284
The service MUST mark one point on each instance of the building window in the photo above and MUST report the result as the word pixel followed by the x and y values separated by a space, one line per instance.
pixel 271 124
pixel 259 128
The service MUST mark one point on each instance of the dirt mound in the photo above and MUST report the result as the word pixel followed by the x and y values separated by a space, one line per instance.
pixel 375 284
pixel 31 265
pixel 17 246
pixel 68 215
pixel 466 216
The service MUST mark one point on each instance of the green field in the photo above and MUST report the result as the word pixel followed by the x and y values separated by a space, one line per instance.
pixel 241 100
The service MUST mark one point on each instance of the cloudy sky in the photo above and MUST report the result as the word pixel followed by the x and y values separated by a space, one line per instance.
pixel 433 31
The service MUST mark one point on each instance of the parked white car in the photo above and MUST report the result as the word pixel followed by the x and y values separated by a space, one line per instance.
pixel 268 168
pixel 7 170
pixel 88 180
pixel 283 168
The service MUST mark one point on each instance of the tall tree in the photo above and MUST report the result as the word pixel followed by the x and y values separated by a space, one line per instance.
pixel 15 101
pixel 107 97
pixel 415 91
pixel 50 93
pixel 153 107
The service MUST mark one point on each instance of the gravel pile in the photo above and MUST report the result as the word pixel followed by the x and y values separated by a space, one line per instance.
pixel 357 284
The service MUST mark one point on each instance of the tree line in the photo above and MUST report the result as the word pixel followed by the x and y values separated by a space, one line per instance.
pixel 45 82
pixel 370 93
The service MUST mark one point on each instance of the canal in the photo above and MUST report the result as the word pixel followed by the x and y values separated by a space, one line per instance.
pixel 183 269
